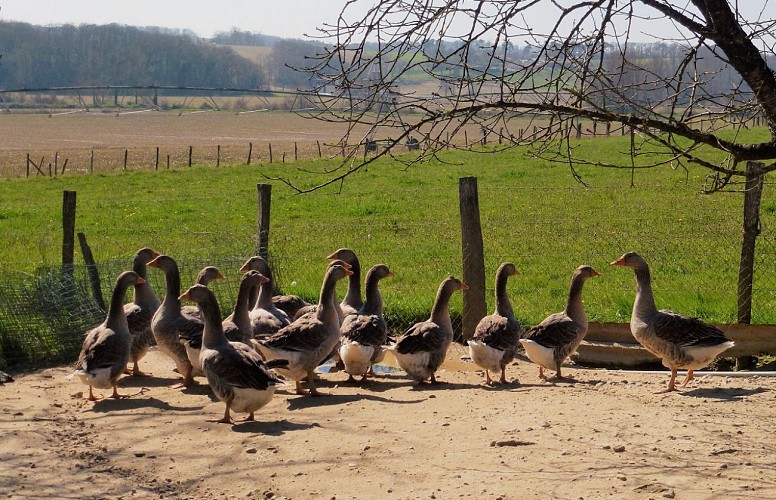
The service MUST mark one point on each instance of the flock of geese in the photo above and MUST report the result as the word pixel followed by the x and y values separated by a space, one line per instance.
pixel 268 339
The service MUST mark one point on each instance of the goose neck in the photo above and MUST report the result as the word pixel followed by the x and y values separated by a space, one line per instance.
pixel 353 294
pixel 116 316
pixel 440 313
pixel 575 308
pixel 213 333
pixel 172 279
pixel 503 304
pixel 644 305
pixel 373 304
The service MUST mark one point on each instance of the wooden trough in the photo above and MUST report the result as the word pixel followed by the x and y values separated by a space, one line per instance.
pixel 612 345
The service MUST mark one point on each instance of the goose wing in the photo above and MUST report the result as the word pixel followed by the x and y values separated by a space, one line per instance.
pixel 686 332
pixel 556 331
pixel 237 367
pixel 422 337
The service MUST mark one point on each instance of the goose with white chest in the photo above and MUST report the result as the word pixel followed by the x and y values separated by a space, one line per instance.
pixel 680 342
pixel 307 341
pixel 549 343
pixel 235 372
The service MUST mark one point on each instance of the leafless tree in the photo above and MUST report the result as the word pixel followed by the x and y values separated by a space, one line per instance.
pixel 528 72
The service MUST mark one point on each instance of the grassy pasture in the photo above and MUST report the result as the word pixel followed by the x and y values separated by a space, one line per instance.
pixel 533 214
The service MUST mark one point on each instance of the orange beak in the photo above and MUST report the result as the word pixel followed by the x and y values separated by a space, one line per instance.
pixel 185 296
pixel 220 276
pixel 618 262
pixel 333 256
pixel 463 286
pixel 153 262
pixel 140 281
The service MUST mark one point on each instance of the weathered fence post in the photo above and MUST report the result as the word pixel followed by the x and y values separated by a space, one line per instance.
pixel 474 307
pixel 191 152
pixel 296 153
pixel 28 164
pixel 91 162
pixel 68 231
pixel 250 153
pixel 156 167
pixel 91 268
pixel 218 156
pixel 265 200
pixel 270 152
pixel 320 154
pixel 752 197
pixel 126 158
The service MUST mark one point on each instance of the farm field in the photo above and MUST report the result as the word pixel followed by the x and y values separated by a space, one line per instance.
pixel 533 213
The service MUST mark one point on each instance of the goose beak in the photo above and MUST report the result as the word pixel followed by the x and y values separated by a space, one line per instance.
pixel 390 273
pixel 220 276
pixel 348 272
pixel 154 263
pixel 185 296
pixel 333 256
pixel 263 279
pixel 140 281
pixel 516 273
pixel 463 286
pixel 619 262
pixel 154 254
pixel 244 268
pixel 595 273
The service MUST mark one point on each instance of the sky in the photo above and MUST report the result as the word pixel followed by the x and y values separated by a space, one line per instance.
pixel 283 18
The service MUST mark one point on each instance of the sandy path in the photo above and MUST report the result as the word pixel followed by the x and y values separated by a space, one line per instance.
pixel 605 436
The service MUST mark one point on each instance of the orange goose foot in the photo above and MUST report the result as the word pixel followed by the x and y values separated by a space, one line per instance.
pixel 226 419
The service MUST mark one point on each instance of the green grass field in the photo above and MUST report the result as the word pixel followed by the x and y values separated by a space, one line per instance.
pixel 533 213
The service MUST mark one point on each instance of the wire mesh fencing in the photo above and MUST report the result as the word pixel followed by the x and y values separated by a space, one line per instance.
pixel 546 232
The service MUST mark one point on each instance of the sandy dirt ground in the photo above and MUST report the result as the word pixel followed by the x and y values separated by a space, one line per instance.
pixel 606 435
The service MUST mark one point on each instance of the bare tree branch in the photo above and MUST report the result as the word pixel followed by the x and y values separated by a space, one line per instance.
pixel 419 74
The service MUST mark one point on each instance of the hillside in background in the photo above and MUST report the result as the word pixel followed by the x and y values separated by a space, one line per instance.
pixel 58 56
pixel 36 56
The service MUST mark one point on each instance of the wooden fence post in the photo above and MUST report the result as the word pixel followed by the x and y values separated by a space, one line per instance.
pixel 752 196
pixel 126 158
pixel 91 268
pixel 265 200
pixel 320 154
pixel 218 156
pixel 250 152
pixel 270 152
pixel 28 164
pixel 474 307
pixel 156 167
pixel 91 162
pixel 68 231
pixel 191 151
pixel 296 156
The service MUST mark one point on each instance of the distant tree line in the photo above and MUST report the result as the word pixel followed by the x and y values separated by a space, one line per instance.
pixel 53 56
pixel 37 56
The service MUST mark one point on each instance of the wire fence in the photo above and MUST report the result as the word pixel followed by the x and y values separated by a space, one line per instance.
pixel 694 258
pixel 44 315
